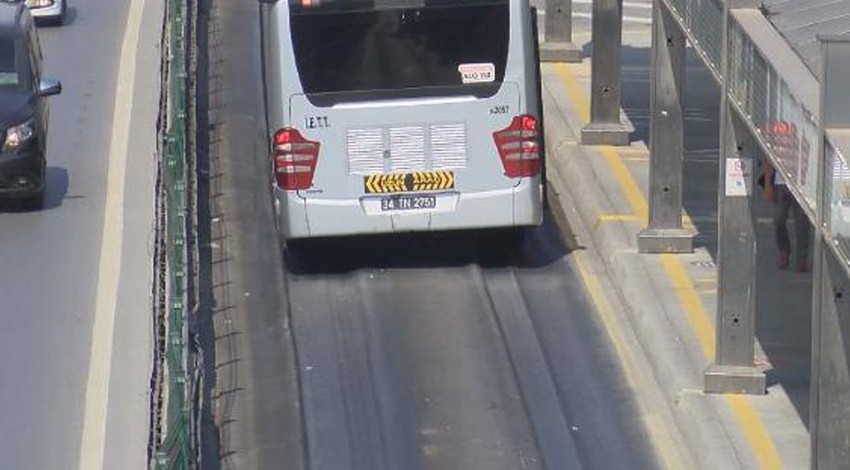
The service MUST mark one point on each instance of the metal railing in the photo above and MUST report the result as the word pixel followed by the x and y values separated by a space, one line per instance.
pixel 703 23
pixel 173 441
pixel 783 123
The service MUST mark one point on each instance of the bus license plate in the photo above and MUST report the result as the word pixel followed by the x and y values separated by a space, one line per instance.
pixel 408 203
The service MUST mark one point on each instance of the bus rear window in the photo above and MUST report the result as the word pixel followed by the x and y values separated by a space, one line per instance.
pixel 409 52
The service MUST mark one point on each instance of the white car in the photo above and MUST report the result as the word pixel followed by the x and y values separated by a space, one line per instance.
pixel 48 11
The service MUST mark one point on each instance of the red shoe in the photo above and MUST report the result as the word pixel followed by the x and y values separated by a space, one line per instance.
pixel 783 260
pixel 802 266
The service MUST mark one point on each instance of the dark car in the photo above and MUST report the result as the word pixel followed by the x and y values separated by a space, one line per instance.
pixel 23 108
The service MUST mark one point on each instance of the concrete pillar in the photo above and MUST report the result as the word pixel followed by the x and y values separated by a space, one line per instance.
pixel 830 397
pixel 605 127
pixel 664 233
pixel 829 419
pixel 558 43
pixel 733 370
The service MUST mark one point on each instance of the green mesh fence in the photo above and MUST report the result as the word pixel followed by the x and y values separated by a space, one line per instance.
pixel 174 446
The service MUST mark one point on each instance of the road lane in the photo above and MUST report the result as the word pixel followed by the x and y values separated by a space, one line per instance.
pixel 393 352
pixel 49 259
pixel 392 378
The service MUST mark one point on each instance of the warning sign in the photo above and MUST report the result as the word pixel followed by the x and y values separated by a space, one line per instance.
pixel 409 182
pixel 739 173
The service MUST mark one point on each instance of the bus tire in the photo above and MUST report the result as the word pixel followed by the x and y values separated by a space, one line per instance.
pixel 295 252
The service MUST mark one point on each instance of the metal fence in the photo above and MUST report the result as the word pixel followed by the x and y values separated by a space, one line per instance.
pixel 787 129
pixel 838 215
pixel 173 444
pixel 703 22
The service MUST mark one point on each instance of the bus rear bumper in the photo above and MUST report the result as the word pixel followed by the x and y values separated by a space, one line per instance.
pixel 310 218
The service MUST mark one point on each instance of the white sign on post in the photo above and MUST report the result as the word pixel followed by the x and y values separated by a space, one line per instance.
pixel 739 173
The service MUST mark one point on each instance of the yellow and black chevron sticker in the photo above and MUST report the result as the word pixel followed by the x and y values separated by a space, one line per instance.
pixel 390 183
pixel 409 182
pixel 433 180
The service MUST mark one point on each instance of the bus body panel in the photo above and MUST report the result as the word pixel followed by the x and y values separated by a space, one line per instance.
pixel 517 206
pixel 404 136
pixel 407 130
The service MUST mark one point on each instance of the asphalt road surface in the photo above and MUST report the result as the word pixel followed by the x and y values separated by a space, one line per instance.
pixel 415 352
pixel 49 260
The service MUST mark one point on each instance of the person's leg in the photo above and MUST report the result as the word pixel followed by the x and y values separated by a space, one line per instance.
pixel 801 230
pixel 780 223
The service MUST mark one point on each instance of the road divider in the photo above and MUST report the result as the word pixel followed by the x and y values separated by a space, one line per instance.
pixel 174 422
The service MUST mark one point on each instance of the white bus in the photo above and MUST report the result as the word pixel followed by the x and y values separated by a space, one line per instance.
pixel 402 115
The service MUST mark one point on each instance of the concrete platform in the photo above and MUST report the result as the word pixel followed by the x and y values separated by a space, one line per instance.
pixel 599 195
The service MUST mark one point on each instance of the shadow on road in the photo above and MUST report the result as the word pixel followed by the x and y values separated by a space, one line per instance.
pixel 529 248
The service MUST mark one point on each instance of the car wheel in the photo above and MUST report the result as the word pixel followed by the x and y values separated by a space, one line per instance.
pixel 34 202
pixel 296 253
pixel 60 19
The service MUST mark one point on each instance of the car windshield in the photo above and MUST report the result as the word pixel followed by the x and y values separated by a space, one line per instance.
pixel 8 73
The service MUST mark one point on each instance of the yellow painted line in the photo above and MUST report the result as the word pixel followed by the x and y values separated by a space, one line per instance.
pixel 93 441
pixel 754 429
pixel 757 436
pixel 616 218
pixel 661 439
pixel 627 182
pixel 690 300
pixel 574 91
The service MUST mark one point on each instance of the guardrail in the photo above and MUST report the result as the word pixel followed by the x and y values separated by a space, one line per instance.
pixel 785 123
pixel 173 434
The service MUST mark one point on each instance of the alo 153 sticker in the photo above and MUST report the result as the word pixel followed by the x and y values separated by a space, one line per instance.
pixel 477 73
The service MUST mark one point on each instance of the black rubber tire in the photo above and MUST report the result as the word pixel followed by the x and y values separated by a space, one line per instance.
pixel 60 20
pixel 296 254
pixel 34 202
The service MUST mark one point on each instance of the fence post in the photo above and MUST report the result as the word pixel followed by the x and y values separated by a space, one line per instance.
pixel 664 232
pixel 558 43
pixel 734 368
pixel 605 127
pixel 829 419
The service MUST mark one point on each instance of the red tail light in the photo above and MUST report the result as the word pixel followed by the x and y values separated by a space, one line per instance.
pixel 294 159
pixel 519 147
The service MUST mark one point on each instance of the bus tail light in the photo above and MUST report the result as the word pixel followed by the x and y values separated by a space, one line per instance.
pixel 294 159
pixel 518 146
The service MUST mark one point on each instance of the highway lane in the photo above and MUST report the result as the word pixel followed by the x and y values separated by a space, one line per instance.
pixel 386 353
pixel 438 352
pixel 49 260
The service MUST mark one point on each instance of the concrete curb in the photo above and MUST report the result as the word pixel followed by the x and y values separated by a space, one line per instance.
pixel 579 200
